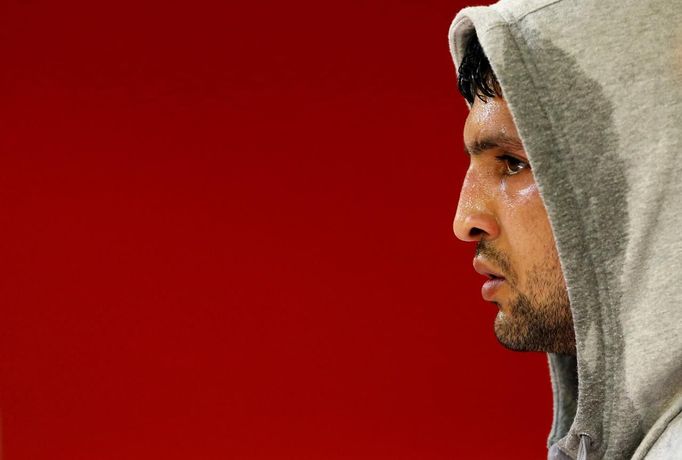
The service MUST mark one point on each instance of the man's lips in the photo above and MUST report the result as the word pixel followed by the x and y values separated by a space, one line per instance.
pixel 494 282
pixel 490 287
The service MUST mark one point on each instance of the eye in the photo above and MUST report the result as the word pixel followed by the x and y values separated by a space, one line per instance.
pixel 512 165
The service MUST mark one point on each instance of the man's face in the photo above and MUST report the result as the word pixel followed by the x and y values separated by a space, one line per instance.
pixel 500 209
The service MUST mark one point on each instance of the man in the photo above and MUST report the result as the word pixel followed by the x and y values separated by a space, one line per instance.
pixel 573 201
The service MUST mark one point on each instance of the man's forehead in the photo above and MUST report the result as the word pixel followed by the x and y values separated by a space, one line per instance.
pixel 490 125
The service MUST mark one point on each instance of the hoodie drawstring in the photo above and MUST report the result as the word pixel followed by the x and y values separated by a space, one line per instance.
pixel 585 442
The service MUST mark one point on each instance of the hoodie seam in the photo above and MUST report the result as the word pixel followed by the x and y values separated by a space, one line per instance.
pixel 665 427
pixel 527 13
pixel 651 442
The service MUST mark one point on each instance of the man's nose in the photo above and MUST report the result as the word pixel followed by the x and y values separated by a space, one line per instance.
pixel 475 219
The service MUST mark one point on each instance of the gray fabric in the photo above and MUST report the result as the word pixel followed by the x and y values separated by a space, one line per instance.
pixel 669 443
pixel 555 453
pixel 665 436
pixel 564 375
pixel 595 89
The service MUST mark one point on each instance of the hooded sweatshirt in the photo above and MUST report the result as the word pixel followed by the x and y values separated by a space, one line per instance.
pixel 595 90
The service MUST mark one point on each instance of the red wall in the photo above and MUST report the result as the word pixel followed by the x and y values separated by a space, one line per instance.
pixel 226 234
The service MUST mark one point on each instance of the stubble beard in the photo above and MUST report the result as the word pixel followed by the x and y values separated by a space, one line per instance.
pixel 539 317
pixel 531 325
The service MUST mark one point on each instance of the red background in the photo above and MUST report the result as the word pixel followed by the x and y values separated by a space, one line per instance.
pixel 226 234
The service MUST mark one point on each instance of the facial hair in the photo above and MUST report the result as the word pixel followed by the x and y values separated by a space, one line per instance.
pixel 538 317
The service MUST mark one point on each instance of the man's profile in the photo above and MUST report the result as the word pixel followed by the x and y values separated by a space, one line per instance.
pixel 574 204
pixel 501 210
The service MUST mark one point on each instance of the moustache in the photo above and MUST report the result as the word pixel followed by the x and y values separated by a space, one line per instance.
pixel 494 255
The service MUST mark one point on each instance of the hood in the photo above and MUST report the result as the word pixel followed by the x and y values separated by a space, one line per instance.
pixel 595 90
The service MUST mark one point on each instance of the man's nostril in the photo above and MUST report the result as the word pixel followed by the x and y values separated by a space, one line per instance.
pixel 475 231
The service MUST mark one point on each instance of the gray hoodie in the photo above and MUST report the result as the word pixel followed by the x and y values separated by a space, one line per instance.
pixel 595 89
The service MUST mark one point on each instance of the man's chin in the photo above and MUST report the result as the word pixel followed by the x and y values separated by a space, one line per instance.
pixel 527 333
pixel 510 335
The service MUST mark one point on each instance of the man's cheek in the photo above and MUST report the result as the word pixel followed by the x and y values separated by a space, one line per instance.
pixel 529 192
pixel 520 192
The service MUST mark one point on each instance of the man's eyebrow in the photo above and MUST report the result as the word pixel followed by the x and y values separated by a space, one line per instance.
pixel 488 143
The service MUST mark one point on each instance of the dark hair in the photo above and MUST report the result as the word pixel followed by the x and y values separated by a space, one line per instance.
pixel 475 76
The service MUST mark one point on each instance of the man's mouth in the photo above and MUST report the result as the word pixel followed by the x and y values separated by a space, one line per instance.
pixel 494 282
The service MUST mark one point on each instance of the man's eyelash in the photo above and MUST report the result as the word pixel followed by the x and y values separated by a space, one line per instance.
pixel 506 160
